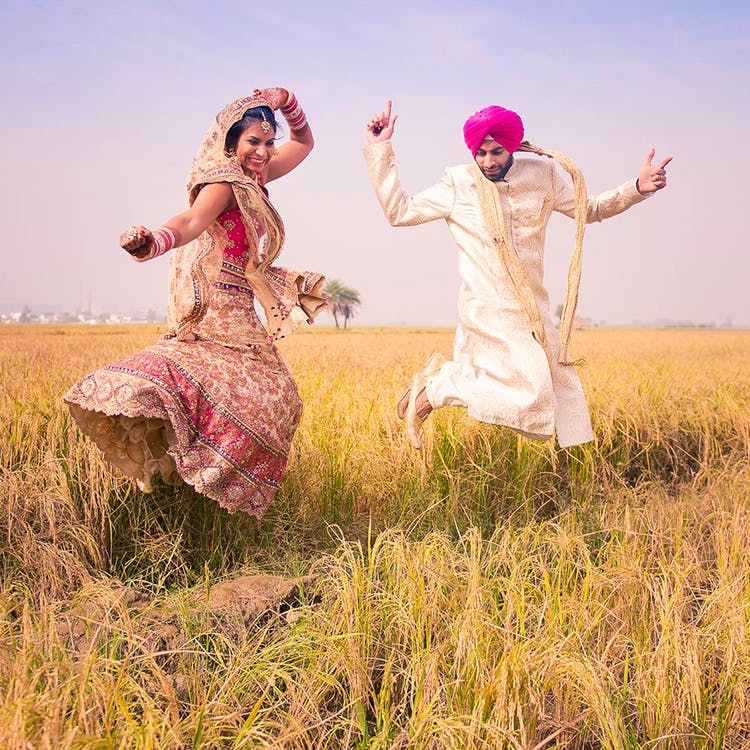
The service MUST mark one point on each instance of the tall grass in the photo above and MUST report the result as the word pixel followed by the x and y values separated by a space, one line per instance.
pixel 488 592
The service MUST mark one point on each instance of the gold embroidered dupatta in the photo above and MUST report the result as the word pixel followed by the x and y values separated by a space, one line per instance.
pixel 492 212
pixel 195 266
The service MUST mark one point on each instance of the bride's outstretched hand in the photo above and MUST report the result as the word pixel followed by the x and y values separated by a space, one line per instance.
pixel 137 241
pixel 381 125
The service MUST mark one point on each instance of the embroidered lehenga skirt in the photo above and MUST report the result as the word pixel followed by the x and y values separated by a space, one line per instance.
pixel 218 411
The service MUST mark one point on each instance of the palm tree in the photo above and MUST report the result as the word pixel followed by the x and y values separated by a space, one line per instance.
pixel 342 300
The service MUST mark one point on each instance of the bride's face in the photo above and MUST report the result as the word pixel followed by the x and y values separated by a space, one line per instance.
pixel 255 148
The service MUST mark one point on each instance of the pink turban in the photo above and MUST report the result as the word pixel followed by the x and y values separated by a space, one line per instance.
pixel 500 124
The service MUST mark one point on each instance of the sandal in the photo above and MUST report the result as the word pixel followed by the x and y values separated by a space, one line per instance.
pixel 434 363
pixel 413 420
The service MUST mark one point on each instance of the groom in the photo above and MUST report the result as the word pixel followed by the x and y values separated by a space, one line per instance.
pixel 510 366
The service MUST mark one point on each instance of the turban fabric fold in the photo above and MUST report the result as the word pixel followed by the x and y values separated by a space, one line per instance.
pixel 500 124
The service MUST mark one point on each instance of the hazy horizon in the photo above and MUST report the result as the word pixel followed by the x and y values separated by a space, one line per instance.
pixel 104 107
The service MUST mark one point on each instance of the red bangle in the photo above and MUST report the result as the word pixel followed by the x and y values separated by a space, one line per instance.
pixel 164 241
pixel 293 113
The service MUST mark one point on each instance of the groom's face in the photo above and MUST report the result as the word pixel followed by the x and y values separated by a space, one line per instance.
pixel 492 159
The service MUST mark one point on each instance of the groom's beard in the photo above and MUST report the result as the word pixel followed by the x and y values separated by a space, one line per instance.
pixel 499 176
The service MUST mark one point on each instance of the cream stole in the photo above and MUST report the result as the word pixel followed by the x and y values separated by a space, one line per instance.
pixel 492 212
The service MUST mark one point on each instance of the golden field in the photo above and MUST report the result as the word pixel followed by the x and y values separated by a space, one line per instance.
pixel 489 592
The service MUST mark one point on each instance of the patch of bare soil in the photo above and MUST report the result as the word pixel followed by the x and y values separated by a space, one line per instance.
pixel 230 608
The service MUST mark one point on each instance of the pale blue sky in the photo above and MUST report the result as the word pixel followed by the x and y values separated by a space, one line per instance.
pixel 103 108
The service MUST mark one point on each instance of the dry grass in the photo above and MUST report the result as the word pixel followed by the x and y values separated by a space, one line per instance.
pixel 490 592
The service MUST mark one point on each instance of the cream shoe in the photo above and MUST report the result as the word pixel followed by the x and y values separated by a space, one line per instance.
pixel 413 420
pixel 434 363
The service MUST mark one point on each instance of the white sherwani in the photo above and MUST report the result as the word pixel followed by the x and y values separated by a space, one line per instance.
pixel 499 372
